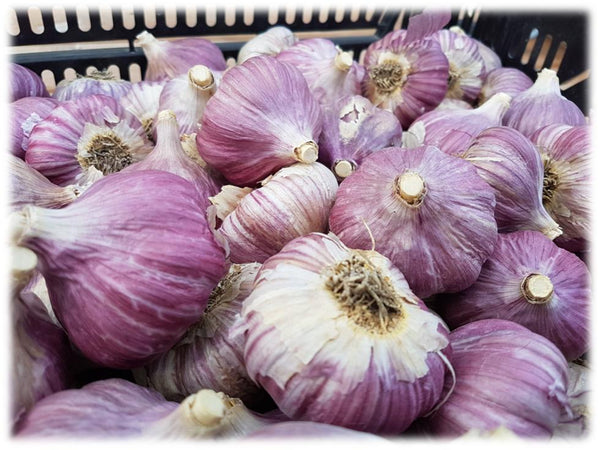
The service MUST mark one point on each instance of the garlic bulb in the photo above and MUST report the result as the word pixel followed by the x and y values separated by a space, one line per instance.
pixel 116 408
pixel 24 114
pixel 542 104
pixel 330 72
pixel 293 202
pixel 186 95
pixel 352 129
pixel 511 164
pixel 98 82
pixel 210 355
pixel 566 155
pixel 24 82
pixel 168 155
pixel 269 43
pixel 29 187
pixel 531 281
pixel 89 131
pixel 429 213
pixel 168 59
pixel 137 264
pixel 142 101
pixel 506 376
pixel 335 335
pixel 408 74
pixel 453 130
pixel 275 122
pixel 509 80
pixel 466 66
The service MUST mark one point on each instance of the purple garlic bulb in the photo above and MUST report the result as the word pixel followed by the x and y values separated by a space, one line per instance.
pixel 137 264
pixel 452 130
pixel 335 335
pixel 330 72
pixel 567 193
pixel 531 281
pixel 508 80
pixel 261 118
pixel 506 376
pixel 353 128
pixel 25 114
pixel 24 82
pixel 511 164
pixel 98 82
pixel 142 101
pixel 168 59
pixel 542 104
pixel 268 43
pixel 89 131
pixel 117 408
pixel 430 213
pixel 407 71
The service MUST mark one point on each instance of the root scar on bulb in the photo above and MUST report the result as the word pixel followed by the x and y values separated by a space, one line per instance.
pixel 537 288
pixel 106 152
pixel 551 181
pixel 410 187
pixel 389 76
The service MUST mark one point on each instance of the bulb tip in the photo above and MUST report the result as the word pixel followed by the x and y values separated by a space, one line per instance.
pixel 201 76
pixel 206 407
pixel 411 187
pixel 166 114
pixel 537 288
pixel 307 152
pixel 343 61
pixel 344 168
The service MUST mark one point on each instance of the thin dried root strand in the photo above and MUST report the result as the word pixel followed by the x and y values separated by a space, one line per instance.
pixel 365 293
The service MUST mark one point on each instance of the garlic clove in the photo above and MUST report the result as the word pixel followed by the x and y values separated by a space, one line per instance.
pixel 97 82
pixel 295 201
pixel 89 131
pixel 430 213
pixel 276 121
pixel 268 43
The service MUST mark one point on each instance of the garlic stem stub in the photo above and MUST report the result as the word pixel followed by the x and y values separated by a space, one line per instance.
pixel 336 336
pixel 528 279
pixel 138 262
pixel 276 121
pixel 506 376
pixel 431 214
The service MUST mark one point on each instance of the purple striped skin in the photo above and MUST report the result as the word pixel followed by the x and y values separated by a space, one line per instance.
pixel 509 80
pixel 24 82
pixel 310 430
pixel 25 113
pixel 569 150
pixel 506 375
pixel 112 408
pixel 273 113
pixel 53 142
pixel 439 245
pixel 564 320
pixel 88 85
pixel 137 264
pixel 295 202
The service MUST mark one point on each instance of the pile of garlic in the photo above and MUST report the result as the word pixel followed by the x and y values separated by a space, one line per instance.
pixel 301 245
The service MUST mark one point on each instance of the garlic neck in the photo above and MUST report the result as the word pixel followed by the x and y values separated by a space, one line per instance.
pixel 410 187
pixel 307 152
pixel 201 77
pixel 343 61
pixel 537 288
pixel 205 408
pixel 344 168
pixel 495 107
pixel 167 133
pixel 145 38
pixel 546 82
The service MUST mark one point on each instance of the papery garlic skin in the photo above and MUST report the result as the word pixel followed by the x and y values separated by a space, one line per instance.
pixel 490 58
pixel 506 376
pixel 89 131
pixel 429 213
pixel 330 72
pixel 466 66
pixel 210 355
pixel 275 122
pixel 453 103
pixel 567 159
pixel 138 262
pixel 511 164
pixel 452 131
pixel 142 101
pixel 295 201
pixel 26 113
pixel 29 187
pixel 326 353
pixel 98 82
pixel 533 282
pixel 24 82
pixel 268 43
pixel 576 424
pixel 509 80
pixel 353 128
pixel 542 104
pixel 304 430
pixel 168 59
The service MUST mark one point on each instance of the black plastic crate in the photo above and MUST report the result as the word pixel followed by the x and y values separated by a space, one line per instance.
pixel 529 41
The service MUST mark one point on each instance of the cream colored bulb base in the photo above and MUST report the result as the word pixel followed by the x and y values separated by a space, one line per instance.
pixel 201 76
pixel 343 168
pixel 307 152
pixel 537 288
pixel 411 187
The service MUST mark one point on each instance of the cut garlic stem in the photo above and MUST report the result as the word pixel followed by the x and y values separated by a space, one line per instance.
pixel 343 168
pixel 23 259
pixel 537 288
pixel 201 76
pixel 206 407
pixel 411 187
pixel 343 61
pixel 166 114
pixel 307 152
